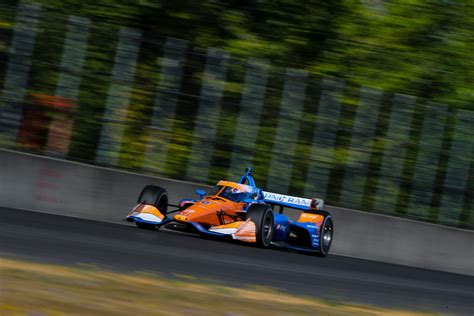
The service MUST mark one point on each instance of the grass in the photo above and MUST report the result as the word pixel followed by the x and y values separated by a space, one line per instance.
pixel 42 289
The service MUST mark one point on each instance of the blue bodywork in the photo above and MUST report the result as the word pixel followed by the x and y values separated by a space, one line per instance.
pixel 307 234
pixel 283 225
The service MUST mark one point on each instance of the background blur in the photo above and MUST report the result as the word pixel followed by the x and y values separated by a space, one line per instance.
pixel 367 104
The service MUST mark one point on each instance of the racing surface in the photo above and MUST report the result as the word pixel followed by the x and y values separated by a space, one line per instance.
pixel 122 247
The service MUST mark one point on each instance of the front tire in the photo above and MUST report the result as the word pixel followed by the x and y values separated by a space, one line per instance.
pixel 262 216
pixel 156 196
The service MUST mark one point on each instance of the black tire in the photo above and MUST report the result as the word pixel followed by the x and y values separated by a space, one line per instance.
pixel 326 233
pixel 262 216
pixel 156 196
pixel 146 226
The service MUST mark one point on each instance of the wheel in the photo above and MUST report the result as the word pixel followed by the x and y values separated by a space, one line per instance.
pixel 146 226
pixel 326 232
pixel 262 216
pixel 156 196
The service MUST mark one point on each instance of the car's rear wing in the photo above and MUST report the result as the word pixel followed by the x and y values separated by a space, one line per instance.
pixel 293 201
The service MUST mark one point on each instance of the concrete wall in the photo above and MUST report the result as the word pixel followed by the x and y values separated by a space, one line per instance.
pixel 402 241
pixel 73 189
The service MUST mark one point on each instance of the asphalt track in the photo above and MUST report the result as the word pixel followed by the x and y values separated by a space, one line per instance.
pixel 64 240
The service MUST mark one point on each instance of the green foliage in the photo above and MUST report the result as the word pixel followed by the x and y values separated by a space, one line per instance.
pixel 415 47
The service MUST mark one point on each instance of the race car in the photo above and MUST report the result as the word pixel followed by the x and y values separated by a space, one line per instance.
pixel 240 211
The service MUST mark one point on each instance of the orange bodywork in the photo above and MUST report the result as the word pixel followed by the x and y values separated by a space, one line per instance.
pixel 222 215
pixel 311 218
pixel 246 232
pixel 206 211
pixel 146 212
pixel 240 230
pixel 242 187
pixel 149 209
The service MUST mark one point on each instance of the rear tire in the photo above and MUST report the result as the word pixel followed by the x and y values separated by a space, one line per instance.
pixel 326 232
pixel 262 216
pixel 156 196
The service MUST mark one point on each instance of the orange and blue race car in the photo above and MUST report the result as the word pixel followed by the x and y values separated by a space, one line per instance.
pixel 240 211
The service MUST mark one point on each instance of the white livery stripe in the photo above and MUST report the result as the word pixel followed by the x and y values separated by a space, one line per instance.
pixel 148 217
pixel 228 231
pixel 291 201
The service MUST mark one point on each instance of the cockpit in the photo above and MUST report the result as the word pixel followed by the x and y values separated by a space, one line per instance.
pixel 232 193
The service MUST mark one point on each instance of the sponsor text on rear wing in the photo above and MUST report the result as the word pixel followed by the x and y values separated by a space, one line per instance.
pixel 299 203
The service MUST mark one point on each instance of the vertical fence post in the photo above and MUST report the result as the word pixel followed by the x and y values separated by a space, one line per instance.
pixel 457 173
pixel 18 70
pixel 123 74
pixel 427 160
pixel 69 82
pixel 361 143
pixel 395 150
pixel 165 104
pixel 250 111
pixel 289 119
pixel 208 114
pixel 324 139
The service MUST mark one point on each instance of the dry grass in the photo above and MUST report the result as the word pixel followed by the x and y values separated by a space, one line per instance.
pixel 40 289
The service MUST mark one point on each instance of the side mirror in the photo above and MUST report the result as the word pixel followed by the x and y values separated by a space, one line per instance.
pixel 200 193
